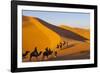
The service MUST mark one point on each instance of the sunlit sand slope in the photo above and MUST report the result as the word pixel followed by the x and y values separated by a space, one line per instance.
pixel 35 34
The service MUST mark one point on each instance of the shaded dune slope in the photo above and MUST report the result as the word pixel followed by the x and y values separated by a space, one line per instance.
pixel 62 32
pixel 83 32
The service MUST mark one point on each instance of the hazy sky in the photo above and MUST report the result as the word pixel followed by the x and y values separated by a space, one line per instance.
pixel 81 20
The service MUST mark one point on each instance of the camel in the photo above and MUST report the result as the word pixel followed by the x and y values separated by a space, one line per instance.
pixel 64 42
pixel 55 53
pixel 35 53
pixel 25 54
pixel 57 46
pixel 47 53
pixel 60 45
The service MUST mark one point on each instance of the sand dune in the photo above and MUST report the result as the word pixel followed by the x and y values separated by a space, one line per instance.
pixel 41 34
pixel 35 34
pixel 83 32
pixel 62 32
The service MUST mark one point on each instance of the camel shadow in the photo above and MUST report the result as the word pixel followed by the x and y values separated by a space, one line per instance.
pixel 69 46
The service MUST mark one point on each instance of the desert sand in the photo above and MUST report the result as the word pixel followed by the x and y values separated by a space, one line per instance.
pixel 40 34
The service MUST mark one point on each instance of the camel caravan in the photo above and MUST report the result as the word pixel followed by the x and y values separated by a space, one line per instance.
pixel 45 54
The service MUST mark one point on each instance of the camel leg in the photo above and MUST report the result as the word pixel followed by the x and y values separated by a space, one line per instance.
pixel 47 57
pixel 43 57
pixel 24 57
pixel 36 58
pixel 30 58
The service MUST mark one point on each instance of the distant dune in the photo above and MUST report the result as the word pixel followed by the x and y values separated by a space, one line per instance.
pixel 83 32
pixel 62 32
